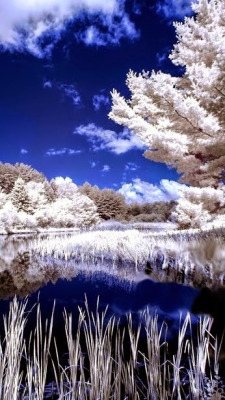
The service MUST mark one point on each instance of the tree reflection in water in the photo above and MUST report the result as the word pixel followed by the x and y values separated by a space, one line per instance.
pixel 23 270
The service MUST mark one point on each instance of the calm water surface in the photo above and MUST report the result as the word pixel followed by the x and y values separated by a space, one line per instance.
pixel 121 290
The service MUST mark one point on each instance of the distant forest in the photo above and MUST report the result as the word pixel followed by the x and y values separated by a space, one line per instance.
pixel 29 201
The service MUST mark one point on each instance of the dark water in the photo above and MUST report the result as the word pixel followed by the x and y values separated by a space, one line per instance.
pixel 48 280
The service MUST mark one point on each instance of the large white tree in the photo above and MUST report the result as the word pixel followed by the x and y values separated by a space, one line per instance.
pixel 182 119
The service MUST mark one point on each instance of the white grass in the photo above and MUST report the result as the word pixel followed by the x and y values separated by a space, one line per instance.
pixel 11 351
pixel 110 363
pixel 178 250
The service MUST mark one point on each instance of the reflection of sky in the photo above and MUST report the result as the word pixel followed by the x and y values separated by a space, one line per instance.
pixel 166 299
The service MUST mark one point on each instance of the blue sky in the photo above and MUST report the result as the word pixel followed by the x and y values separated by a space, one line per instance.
pixel 59 60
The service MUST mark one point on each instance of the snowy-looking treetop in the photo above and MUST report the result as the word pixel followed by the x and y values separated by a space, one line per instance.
pixel 182 119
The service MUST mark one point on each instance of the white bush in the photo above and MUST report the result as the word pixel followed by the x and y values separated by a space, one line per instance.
pixel 12 221
pixel 79 211
pixel 71 208
pixel 197 207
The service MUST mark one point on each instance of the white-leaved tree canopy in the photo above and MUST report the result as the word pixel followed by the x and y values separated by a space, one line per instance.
pixel 182 119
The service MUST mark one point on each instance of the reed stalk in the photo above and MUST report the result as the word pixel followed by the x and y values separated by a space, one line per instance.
pixel 106 361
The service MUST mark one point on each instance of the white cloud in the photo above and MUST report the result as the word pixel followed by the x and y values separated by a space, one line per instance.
pixel 106 168
pixel 93 164
pixel 23 151
pixel 47 84
pixel 61 152
pixel 36 25
pixel 137 7
pixel 100 100
pixel 174 8
pixel 131 166
pixel 71 92
pixel 162 56
pixel 68 90
pixel 105 139
pixel 92 36
pixel 145 192
pixel 109 30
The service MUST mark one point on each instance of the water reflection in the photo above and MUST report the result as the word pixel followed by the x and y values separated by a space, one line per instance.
pixel 125 289
pixel 197 259
pixel 24 271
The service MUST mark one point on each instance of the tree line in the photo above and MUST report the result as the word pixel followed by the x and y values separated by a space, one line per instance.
pixel 29 201
pixel 111 205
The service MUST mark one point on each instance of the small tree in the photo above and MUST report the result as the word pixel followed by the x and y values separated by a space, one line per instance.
pixel 86 189
pixel 20 198
pixel 133 209
pixel 110 203
pixel 50 191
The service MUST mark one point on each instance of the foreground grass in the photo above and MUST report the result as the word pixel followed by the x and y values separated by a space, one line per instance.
pixel 106 360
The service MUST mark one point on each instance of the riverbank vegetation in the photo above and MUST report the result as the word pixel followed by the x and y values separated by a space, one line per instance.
pixel 105 360
pixel 27 262
pixel 192 252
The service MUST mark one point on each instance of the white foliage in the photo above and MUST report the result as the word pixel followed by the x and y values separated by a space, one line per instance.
pixel 188 214
pixel 217 222
pixel 182 118
pixel 58 214
pixel 70 209
pixel 198 207
pixel 65 187
pixel 87 211
pixel 3 198
pixel 36 193
pixel 26 221
pixel 11 220
pixel 75 211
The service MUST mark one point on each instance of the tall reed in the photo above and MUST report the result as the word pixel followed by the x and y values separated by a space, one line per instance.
pixel 107 360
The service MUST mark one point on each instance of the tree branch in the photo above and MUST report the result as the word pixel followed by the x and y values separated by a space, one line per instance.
pixel 186 119
pixel 220 91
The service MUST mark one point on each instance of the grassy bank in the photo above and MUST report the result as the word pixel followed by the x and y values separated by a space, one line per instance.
pixel 188 251
pixel 105 360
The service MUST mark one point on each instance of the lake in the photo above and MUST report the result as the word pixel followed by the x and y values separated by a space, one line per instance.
pixel 46 269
